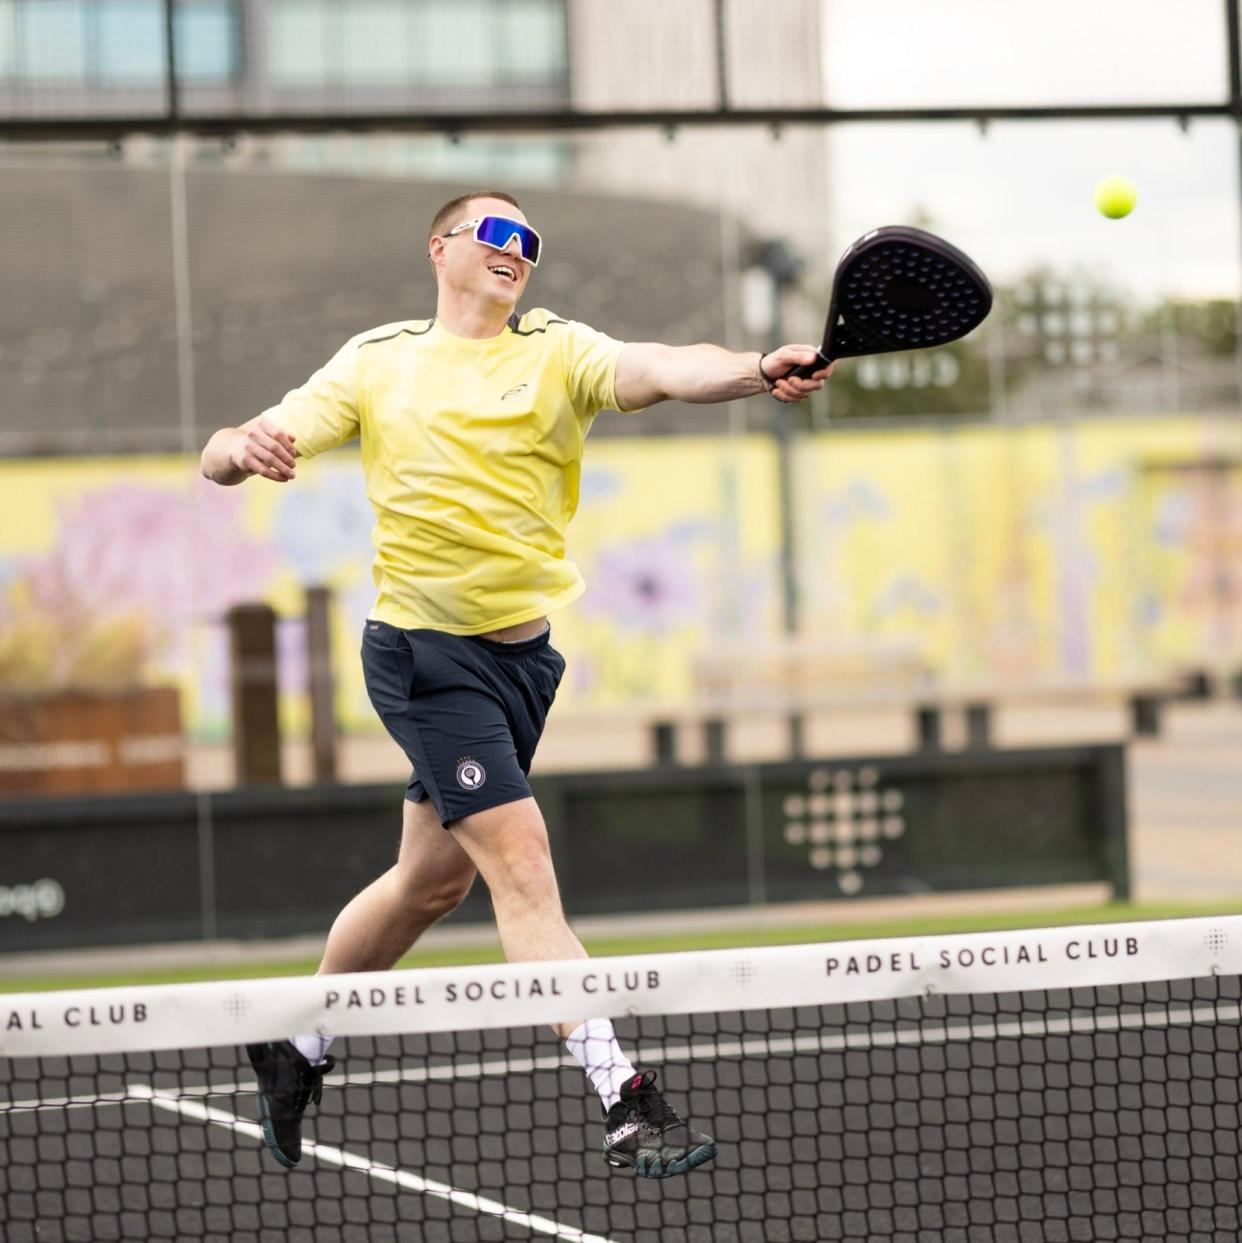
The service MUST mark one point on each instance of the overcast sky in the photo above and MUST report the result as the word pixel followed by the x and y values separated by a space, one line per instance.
pixel 1022 194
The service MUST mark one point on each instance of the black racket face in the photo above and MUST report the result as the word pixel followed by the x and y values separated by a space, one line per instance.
pixel 900 288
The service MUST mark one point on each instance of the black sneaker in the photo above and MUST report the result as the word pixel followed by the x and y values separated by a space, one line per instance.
pixel 288 1083
pixel 643 1132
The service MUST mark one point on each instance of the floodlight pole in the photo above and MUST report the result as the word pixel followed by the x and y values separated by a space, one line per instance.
pixel 783 269
pixel 1235 104
pixel 722 57
pixel 1235 57
pixel 170 61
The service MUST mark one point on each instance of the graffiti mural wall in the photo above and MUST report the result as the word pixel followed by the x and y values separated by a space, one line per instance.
pixel 1080 550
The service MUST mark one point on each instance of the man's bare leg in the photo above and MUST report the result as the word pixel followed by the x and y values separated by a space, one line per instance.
pixel 430 878
pixel 509 847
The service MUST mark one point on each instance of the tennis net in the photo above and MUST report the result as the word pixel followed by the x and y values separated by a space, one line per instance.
pixel 1023 1087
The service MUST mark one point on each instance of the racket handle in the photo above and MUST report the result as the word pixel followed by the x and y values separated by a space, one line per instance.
pixel 809 369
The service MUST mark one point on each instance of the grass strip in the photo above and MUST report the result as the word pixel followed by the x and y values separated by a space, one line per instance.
pixel 451 956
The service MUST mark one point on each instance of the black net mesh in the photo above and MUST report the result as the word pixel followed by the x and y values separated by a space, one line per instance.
pixel 1092 1114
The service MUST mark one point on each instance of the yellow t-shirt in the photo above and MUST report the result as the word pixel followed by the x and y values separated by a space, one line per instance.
pixel 471 451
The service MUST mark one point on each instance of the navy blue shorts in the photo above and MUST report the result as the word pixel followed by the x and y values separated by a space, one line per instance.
pixel 468 712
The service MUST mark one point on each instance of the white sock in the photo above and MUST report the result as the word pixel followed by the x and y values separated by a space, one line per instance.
pixel 313 1048
pixel 594 1047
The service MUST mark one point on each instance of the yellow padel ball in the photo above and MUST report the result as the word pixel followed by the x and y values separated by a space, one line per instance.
pixel 1115 197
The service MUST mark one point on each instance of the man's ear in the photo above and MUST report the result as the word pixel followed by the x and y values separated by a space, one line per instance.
pixel 435 253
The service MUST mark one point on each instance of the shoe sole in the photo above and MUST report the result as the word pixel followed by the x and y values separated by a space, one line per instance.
pixel 643 1168
pixel 269 1134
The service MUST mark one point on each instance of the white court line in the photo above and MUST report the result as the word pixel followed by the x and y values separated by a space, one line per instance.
pixel 383 1173
pixel 756 1046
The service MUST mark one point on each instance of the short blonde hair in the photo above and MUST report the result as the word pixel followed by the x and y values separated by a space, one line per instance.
pixel 445 218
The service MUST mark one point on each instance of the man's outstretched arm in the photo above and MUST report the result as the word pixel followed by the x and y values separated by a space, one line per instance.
pixel 259 447
pixel 648 373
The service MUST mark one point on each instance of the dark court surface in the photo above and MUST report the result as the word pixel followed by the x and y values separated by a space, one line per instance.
pixel 1056 1117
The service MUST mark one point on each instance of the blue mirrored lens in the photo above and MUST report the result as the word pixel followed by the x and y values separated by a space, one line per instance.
pixel 498 231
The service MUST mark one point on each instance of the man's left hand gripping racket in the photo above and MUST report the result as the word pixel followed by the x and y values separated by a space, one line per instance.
pixel 900 288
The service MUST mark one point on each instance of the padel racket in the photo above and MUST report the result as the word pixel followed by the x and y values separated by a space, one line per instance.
pixel 900 288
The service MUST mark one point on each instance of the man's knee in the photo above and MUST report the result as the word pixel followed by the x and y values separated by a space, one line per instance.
pixel 509 847
pixel 432 890
pixel 447 895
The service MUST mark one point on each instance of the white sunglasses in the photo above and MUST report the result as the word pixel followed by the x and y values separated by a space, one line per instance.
pixel 498 231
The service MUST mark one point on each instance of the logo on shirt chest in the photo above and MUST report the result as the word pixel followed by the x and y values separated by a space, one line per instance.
pixel 514 391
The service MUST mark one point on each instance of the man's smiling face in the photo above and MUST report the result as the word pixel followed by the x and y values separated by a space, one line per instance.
pixel 471 267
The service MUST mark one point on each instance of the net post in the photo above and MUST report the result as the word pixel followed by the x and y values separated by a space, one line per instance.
pixel 204 816
pixel 756 846
pixel 1114 817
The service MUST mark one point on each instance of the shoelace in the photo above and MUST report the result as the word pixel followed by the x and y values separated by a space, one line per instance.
pixel 310 1090
pixel 653 1109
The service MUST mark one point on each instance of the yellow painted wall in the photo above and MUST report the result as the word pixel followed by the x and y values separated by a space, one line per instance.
pixel 1080 549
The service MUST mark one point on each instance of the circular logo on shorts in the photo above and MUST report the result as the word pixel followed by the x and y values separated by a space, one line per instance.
pixel 470 774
